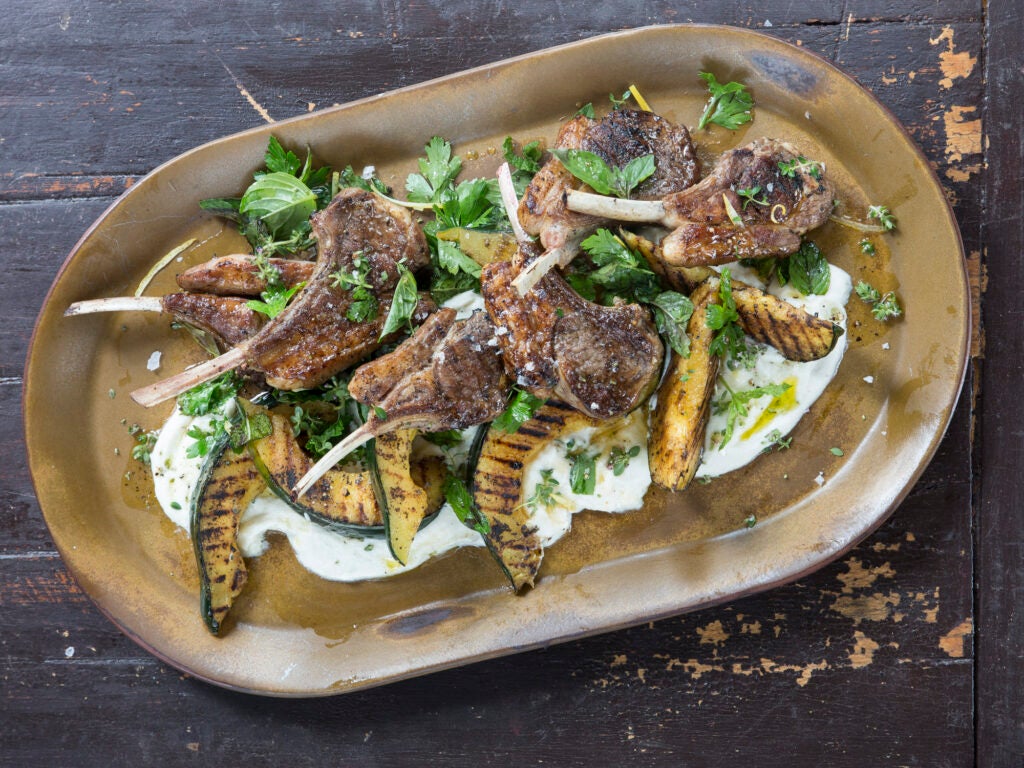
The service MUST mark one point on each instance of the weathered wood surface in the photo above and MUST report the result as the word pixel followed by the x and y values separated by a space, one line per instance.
pixel 870 661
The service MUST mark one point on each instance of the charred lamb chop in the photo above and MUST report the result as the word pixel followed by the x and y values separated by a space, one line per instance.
pixel 447 375
pixel 312 339
pixel 617 138
pixel 239 275
pixel 226 318
pixel 603 361
pixel 784 196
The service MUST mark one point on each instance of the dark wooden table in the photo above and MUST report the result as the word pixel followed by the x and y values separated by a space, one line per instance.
pixel 905 652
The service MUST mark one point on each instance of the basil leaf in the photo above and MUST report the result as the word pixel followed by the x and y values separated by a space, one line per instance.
pixel 671 313
pixel 280 201
pixel 403 303
pixel 636 170
pixel 808 271
pixel 587 167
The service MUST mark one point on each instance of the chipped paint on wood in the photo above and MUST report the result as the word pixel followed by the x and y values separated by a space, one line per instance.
pixel 863 652
pixel 963 134
pixel 953 65
pixel 714 633
pixel 953 641
pixel 874 607
pixel 859 577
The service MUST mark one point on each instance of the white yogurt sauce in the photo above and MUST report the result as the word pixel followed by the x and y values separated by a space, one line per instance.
pixel 807 381
pixel 339 557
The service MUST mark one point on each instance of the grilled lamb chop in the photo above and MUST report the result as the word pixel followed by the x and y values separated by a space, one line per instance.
pixel 603 361
pixel 617 138
pixel 312 339
pixel 447 375
pixel 227 319
pixel 704 232
pixel 238 275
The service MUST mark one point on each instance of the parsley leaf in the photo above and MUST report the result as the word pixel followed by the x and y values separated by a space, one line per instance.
pixel 521 408
pixel 437 171
pixel 274 300
pixel 529 159
pixel 729 106
pixel 278 160
pixel 451 257
pixel 211 396
pixel 591 169
pixel 587 110
pixel 523 165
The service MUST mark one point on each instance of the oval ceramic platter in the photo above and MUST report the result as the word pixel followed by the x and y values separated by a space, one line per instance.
pixel 294 634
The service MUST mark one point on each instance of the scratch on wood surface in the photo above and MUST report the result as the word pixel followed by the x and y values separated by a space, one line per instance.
pixel 977 276
pixel 953 65
pixel 260 110
pixel 953 641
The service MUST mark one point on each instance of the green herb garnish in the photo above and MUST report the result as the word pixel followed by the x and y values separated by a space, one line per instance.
pixel 437 172
pixel 591 169
pixel 544 493
pixel 735 405
pixel 884 307
pixel 403 303
pixel 461 500
pixel 363 306
pixel 790 168
pixel 750 196
pixel 729 105
pixel 724 319
pixel 884 216
pixel 618 458
pixel 521 408
pixel 583 469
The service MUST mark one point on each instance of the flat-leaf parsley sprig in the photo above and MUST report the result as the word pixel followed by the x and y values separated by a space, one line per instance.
pixel 729 105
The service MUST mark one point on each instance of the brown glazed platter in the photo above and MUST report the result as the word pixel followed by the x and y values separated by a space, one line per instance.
pixel 293 634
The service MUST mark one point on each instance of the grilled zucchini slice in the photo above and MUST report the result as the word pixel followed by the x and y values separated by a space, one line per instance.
pixel 684 399
pixel 408 494
pixel 497 487
pixel 228 482
pixel 341 500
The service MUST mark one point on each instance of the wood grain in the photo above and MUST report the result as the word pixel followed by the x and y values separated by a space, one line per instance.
pixel 870 661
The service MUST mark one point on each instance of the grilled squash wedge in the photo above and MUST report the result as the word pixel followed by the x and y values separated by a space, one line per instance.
pixel 684 399
pixel 340 500
pixel 796 334
pixel 497 487
pixel 408 494
pixel 228 482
